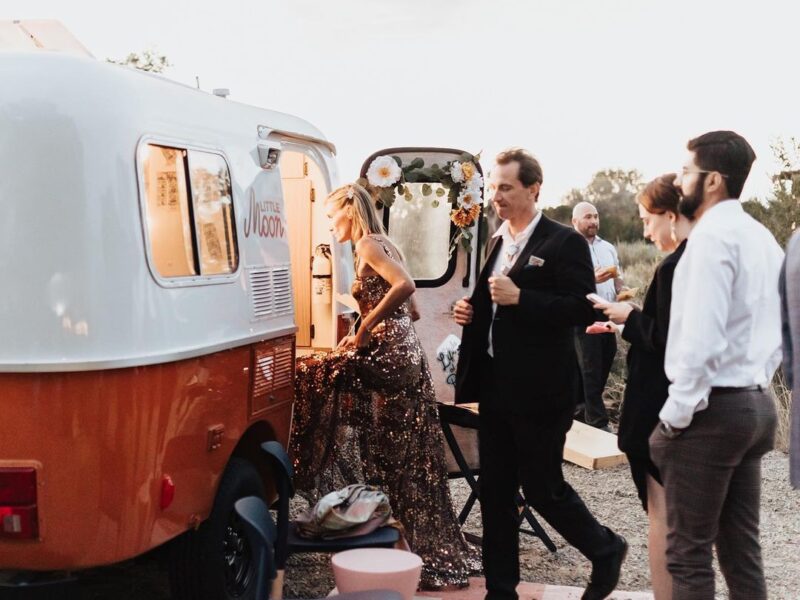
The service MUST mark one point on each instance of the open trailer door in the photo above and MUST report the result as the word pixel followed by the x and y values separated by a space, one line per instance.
pixel 432 213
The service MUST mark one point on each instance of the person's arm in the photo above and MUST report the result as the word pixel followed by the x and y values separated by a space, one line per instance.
pixel 372 253
pixel 567 304
pixel 647 332
pixel 699 337
pixel 413 307
pixel 618 283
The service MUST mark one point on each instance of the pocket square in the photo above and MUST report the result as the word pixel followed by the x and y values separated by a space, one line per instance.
pixel 535 261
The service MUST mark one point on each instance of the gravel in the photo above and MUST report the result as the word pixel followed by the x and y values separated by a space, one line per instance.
pixel 609 494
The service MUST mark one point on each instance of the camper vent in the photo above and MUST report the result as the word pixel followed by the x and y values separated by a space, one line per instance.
pixel 261 292
pixel 273 373
pixel 282 287
pixel 271 292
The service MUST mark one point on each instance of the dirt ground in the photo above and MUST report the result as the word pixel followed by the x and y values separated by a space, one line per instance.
pixel 608 493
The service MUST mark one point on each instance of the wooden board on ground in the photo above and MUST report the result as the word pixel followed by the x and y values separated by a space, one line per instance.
pixel 586 446
pixel 592 448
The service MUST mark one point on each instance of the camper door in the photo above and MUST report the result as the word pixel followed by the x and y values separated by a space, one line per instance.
pixel 441 257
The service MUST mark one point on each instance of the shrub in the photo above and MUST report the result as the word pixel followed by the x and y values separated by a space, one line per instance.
pixel 783 404
pixel 641 251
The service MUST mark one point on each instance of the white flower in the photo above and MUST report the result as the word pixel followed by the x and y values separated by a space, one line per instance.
pixel 383 172
pixel 456 174
pixel 469 196
pixel 476 181
pixel 351 192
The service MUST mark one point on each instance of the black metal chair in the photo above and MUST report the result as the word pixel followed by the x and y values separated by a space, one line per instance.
pixel 262 534
pixel 452 415
pixel 288 541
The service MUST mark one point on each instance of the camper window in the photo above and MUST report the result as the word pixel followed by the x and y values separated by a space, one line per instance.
pixel 213 212
pixel 422 232
pixel 168 219
pixel 188 211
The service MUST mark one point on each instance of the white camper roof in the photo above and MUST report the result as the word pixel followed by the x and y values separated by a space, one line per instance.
pixel 72 243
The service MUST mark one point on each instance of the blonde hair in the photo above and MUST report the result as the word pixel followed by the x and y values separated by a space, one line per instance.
pixel 365 217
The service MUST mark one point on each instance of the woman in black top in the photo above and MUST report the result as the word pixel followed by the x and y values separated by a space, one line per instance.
pixel 646 389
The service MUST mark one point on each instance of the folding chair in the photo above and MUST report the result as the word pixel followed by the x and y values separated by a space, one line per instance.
pixel 288 541
pixel 262 534
pixel 461 421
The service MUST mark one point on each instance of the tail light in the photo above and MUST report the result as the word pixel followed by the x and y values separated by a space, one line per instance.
pixel 18 511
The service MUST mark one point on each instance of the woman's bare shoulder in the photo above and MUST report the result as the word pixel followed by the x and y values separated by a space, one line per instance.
pixel 368 244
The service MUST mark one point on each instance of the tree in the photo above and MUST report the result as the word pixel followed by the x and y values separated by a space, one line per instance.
pixel 613 193
pixel 781 212
pixel 561 214
pixel 148 61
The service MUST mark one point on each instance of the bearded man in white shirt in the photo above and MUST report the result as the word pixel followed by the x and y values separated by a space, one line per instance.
pixel 723 347
pixel 596 351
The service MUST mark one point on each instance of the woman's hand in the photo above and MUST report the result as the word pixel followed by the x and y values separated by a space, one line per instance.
pixel 617 312
pixel 348 341
pixel 362 338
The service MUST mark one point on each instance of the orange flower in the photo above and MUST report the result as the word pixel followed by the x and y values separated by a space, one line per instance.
pixel 465 217
pixel 468 169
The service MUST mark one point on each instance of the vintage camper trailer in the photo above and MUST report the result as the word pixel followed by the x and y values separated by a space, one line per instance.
pixel 150 335
pixel 165 257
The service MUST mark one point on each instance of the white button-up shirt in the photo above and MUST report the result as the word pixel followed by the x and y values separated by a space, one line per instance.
pixel 510 249
pixel 725 327
pixel 604 255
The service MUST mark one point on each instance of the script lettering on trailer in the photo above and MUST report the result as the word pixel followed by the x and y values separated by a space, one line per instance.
pixel 264 219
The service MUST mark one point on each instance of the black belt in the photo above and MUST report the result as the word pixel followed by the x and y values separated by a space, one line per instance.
pixel 736 390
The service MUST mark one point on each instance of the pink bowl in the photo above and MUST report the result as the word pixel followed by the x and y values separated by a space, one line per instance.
pixel 377 568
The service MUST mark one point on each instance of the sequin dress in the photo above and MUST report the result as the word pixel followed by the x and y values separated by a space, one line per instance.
pixel 370 416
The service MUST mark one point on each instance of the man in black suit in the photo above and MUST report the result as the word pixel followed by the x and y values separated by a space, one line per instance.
pixel 518 361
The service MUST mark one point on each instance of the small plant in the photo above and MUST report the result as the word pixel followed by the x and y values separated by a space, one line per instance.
pixel 783 403
pixel 148 61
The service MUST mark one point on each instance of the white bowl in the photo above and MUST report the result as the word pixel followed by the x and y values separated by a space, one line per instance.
pixel 377 569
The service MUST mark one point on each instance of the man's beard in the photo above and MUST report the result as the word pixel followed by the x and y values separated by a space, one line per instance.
pixel 689 203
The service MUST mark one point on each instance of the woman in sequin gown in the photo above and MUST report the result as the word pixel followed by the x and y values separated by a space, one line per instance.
pixel 366 412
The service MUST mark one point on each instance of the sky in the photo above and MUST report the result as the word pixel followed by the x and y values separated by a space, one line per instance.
pixel 584 84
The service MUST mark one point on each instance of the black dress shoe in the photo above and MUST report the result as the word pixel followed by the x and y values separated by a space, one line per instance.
pixel 605 572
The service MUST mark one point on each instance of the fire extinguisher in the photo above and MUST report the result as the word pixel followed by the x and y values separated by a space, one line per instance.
pixel 321 274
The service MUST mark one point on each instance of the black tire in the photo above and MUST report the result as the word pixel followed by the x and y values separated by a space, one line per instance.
pixel 215 562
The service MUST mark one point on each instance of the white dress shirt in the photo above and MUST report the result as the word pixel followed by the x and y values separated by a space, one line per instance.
pixel 510 249
pixel 725 327
pixel 604 255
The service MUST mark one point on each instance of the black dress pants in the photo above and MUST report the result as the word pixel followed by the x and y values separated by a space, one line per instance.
pixel 596 353
pixel 524 450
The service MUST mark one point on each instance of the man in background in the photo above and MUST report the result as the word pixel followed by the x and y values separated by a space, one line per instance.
pixel 596 351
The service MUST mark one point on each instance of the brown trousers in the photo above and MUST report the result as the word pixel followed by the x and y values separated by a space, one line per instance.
pixel 712 482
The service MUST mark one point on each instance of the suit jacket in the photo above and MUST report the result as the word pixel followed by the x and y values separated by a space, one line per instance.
pixel 647 387
pixel 535 367
pixel 790 313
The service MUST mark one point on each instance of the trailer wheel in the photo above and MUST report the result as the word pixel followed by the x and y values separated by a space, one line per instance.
pixel 216 562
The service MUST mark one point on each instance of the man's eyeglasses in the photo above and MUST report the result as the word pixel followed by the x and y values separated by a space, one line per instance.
pixel 687 171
